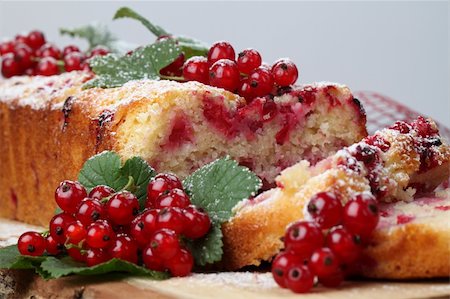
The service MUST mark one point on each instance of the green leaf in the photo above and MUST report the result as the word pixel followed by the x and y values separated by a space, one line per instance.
pixel 217 188
pixel 10 258
pixel 95 34
pixel 66 266
pixel 189 46
pixel 208 250
pixel 220 185
pixel 126 12
pixel 106 169
pixel 102 169
pixel 142 173
pixel 143 63
pixel 192 47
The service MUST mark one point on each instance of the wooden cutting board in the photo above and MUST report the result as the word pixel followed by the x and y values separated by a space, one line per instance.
pixel 236 285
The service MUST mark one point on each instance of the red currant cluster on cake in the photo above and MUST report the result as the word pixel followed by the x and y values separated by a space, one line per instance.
pixel 328 247
pixel 104 224
pixel 245 74
pixel 32 55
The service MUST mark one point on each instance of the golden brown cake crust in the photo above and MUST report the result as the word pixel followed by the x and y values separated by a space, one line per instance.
pixel 414 250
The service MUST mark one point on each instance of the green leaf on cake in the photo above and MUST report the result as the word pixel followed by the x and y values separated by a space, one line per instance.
pixel 217 188
pixel 144 63
pixel 189 46
pixel 66 266
pixel 106 169
pixel 126 12
pixel 95 34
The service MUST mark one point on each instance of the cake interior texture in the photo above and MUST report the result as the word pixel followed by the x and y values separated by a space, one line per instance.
pixel 50 126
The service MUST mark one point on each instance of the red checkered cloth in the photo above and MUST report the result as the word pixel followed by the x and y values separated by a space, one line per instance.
pixel 383 111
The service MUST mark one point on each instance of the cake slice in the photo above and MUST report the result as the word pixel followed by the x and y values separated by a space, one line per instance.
pixel 50 126
pixel 394 164
pixel 411 240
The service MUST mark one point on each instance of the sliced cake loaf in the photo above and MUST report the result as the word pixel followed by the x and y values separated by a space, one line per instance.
pixel 50 126
pixel 393 164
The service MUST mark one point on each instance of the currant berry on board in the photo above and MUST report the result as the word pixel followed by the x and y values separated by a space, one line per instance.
pixel 69 194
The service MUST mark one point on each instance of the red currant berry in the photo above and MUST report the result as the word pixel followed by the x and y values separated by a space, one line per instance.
pixel 165 244
pixel 224 74
pixel 77 254
pixel 181 264
pixel 323 262
pixel 248 60
pixel 299 279
pixel 100 192
pixel 159 184
pixel 58 226
pixel 172 219
pixel 122 208
pixel 49 50
pixel 124 248
pixel 70 49
pixel 151 261
pixel 282 263
pixel 175 68
pixel 47 67
pixel 21 39
pixel 261 82
pixel 10 66
pixel 333 280
pixel 35 39
pixel 73 62
pixel 7 47
pixel 344 245
pixel 53 247
pixel 326 209
pixel 89 211
pixel 361 215
pixel 197 223
pixel 69 194
pixel 143 227
pixel 31 243
pixel 303 237
pixel 284 72
pixel 95 256
pixel 23 54
pixel 196 69
pixel 245 90
pixel 221 50
pixel 99 51
pixel 75 233
pixel 173 198
pixel 99 234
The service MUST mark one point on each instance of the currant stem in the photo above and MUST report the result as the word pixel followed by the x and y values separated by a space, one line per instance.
pixel 130 186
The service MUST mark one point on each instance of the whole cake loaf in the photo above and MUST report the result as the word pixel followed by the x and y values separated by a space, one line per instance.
pixel 50 126
pixel 395 165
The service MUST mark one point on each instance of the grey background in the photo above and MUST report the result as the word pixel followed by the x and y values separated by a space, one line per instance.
pixel 400 49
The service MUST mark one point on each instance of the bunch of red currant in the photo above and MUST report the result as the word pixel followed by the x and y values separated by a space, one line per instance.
pixel 246 75
pixel 106 224
pixel 329 246
pixel 31 55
